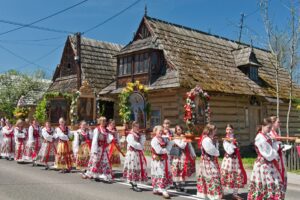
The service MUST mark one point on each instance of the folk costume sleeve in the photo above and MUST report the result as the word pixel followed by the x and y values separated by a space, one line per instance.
pixel 132 143
pixel 180 143
pixel 94 148
pixel 229 147
pixel 76 142
pixel 30 134
pixel 157 147
pixel 110 138
pixel 60 135
pixel 209 147
pixel 46 135
pixel 265 149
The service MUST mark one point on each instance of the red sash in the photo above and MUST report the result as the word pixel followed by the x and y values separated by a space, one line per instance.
pixel 87 139
pixel 274 162
pixel 20 147
pixel 49 148
pixel 36 137
pixel 65 130
pixel 188 159
pixel 162 156
pixel 10 135
pixel 104 145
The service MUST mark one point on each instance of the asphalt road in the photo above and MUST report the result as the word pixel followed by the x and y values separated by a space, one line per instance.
pixel 24 182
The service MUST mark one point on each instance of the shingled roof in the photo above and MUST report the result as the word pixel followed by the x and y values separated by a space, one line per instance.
pixel 98 65
pixel 211 61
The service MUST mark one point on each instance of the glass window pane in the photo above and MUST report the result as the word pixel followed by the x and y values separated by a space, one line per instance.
pixel 146 63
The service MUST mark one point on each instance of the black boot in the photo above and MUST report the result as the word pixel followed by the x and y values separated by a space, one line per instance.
pixel 136 188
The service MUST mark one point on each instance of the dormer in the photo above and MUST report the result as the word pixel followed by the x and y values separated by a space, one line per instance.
pixel 141 59
pixel 246 61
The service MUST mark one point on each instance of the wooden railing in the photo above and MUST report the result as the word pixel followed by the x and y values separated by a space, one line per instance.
pixel 293 158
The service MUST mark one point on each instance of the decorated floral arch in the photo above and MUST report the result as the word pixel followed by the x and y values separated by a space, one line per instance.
pixel 140 92
pixel 190 108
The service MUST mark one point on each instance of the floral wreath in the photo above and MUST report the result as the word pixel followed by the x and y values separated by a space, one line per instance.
pixel 190 106
pixel 124 104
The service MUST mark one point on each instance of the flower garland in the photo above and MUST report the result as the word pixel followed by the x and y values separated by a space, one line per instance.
pixel 124 104
pixel 43 106
pixel 190 106
pixel 21 112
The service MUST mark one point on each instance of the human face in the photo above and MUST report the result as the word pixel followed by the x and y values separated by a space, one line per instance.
pixel 112 124
pixel 48 125
pixel 166 125
pixel 83 125
pixel 103 123
pixel 136 128
pixel 229 130
pixel 267 128
pixel 62 122
pixel 276 124
pixel 159 132
pixel 214 133
pixel 178 130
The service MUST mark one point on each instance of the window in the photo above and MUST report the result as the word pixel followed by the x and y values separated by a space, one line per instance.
pixel 141 63
pixel 125 65
pixel 253 73
pixel 155 117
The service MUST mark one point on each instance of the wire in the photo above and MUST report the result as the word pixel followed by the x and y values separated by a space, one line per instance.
pixel 44 18
pixel 22 25
pixel 112 17
pixel 35 40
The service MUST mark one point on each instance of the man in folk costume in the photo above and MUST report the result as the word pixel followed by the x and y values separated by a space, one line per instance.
pixel 233 174
pixel 160 166
pixel 274 133
pixel 183 159
pixel 114 147
pixel 20 138
pixel 266 181
pixel 82 146
pixel 33 143
pixel 46 155
pixel 135 165
pixel 209 179
pixel 8 143
pixel 99 166
pixel 64 156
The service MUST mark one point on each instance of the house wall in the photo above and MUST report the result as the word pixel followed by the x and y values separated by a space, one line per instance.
pixel 225 108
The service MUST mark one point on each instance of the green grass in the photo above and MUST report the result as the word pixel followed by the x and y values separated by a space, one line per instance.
pixel 295 171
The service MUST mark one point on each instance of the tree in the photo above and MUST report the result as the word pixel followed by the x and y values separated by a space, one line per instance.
pixel 284 47
pixel 13 85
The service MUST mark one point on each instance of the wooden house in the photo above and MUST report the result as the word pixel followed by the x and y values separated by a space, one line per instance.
pixel 87 66
pixel 171 59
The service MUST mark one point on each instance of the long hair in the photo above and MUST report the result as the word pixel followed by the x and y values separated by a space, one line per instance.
pixel 208 129
pixel 178 126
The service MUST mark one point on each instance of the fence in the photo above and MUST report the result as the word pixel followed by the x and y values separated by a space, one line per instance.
pixel 293 158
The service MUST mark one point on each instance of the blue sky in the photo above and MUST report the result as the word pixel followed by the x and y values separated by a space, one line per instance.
pixel 219 17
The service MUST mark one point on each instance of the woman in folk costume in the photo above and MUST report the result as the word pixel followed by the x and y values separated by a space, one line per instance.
pixel 99 166
pixel 209 179
pixel 8 143
pixel 166 129
pixel 114 147
pixel 46 155
pixel 161 174
pixel 233 174
pixel 2 124
pixel 266 181
pixel 183 159
pixel 20 138
pixel 82 146
pixel 33 143
pixel 281 148
pixel 135 165
pixel 64 156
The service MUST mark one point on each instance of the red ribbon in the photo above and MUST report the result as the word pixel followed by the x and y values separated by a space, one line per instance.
pixel 87 140
pixel 21 145
pixel 114 143
pixel 237 153
pixel 142 157
pixel 188 159
pixel 36 137
pixel 48 151
pixel 10 135
pixel 282 164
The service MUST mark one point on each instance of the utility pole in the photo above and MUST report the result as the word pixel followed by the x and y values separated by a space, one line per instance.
pixel 241 26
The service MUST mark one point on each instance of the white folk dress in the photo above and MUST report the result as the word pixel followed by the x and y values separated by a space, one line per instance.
pixel 46 155
pixel 20 138
pixel 183 166
pixel 99 165
pixel 64 156
pixel 161 174
pixel 8 143
pixel 33 143
pixel 209 179
pixel 266 181
pixel 233 174
pixel 135 165
pixel 82 148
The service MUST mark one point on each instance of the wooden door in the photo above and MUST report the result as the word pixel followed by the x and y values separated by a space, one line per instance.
pixel 254 121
